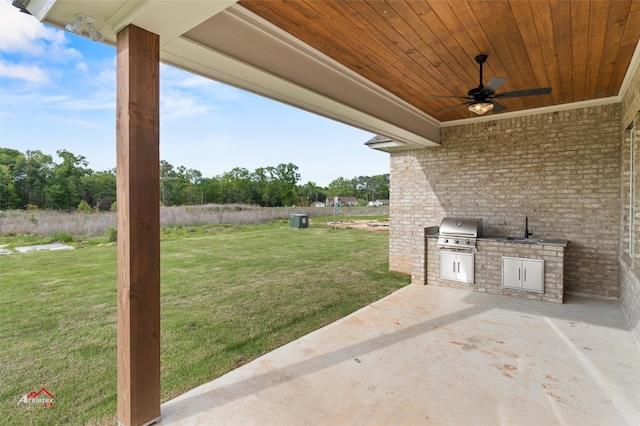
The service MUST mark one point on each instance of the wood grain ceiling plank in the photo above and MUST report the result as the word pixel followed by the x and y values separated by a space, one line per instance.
pixel 436 43
pixel 409 75
pixel 514 35
pixel 599 13
pixel 311 25
pixel 446 46
pixel 457 38
pixel 389 47
pixel 580 17
pixel 390 31
pixel 405 75
pixel 626 48
pixel 541 12
pixel 618 12
pixel 419 49
pixel 561 20
pixel 461 15
pixel 524 19
pixel 426 32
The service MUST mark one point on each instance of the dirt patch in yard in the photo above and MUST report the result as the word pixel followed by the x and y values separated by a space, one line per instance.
pixel 366 225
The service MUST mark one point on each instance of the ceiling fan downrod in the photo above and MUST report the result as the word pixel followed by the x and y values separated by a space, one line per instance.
pixel 481 59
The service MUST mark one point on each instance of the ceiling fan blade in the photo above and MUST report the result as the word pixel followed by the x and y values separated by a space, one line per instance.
pixel 497 107
pixel 527 92
pixel 494 84
pixel 453 107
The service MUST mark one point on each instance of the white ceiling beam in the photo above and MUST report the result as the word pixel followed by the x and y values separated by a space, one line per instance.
pixel 169 19
pixel 40 8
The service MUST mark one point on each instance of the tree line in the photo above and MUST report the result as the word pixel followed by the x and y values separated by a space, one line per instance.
pixel 34 180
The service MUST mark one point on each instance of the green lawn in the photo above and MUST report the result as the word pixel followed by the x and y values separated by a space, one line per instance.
pixel 229 294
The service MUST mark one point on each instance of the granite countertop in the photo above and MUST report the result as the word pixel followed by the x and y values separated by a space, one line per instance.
pixel 520 240
pixel 530 240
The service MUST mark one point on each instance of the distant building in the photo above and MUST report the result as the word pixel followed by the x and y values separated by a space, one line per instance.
pixel 342 201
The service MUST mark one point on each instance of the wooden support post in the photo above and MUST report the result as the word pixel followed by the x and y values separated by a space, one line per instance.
pixel 138 182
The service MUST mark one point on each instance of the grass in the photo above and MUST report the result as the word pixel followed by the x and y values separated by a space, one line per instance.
pixel 229 294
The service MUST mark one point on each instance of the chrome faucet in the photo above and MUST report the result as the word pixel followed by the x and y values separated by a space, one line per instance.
pixel 527 234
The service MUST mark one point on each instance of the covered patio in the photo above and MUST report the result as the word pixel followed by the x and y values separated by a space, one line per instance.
pixel 433 355
pixel 564 154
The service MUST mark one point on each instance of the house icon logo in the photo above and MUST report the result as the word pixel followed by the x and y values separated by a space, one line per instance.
pixel 42 396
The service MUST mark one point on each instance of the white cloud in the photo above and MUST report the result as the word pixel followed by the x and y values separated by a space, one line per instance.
pixel 107 77
pixel 82 66
pixel 25 35
pixel 176 104
pixel 28 99
pixel 176 79
pixel 30 73
pixel 88 104
pixel 82 123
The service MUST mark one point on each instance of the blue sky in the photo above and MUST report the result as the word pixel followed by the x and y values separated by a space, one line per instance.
pixel 57 91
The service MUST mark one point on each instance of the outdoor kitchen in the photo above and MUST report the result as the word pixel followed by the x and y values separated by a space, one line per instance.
pixel 562 171
pixel 460 254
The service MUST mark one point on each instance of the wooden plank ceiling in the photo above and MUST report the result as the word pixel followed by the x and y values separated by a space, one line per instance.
pixel 415 49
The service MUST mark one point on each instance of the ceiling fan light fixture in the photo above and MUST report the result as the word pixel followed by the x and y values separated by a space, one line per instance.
pixel 481 107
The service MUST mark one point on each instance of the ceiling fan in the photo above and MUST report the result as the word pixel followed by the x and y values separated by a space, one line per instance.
pixel 481 99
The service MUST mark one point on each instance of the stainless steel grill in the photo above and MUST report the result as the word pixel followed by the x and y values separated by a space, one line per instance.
pixel 459 233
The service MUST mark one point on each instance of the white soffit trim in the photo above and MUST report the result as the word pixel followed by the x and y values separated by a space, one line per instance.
pixel 40 8
pixel 264 48
pixel 168 19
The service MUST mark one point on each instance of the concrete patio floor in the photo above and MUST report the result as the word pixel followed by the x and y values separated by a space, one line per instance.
pixel 433 355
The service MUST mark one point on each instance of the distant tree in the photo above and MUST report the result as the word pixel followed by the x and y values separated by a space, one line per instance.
pixel 186 185
pixel 371 188
pixel 263 191
pixel 167 179
pixel 236 185
pixel 33 177
pixel 9 166
pixel 83 206
pixel 34 180
pixel 99 189
pixel 287 177
pixel 379 187
pixel 65 192
pixel 211 189
pixel 341 187
pixel 311 193
pixel 364 188
pixel 9 197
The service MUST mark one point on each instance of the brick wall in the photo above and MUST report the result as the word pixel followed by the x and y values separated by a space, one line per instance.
pixel 561 169
pixel 630 265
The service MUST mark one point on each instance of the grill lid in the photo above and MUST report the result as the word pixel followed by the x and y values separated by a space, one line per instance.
pixel 459 233
pixel 460 227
